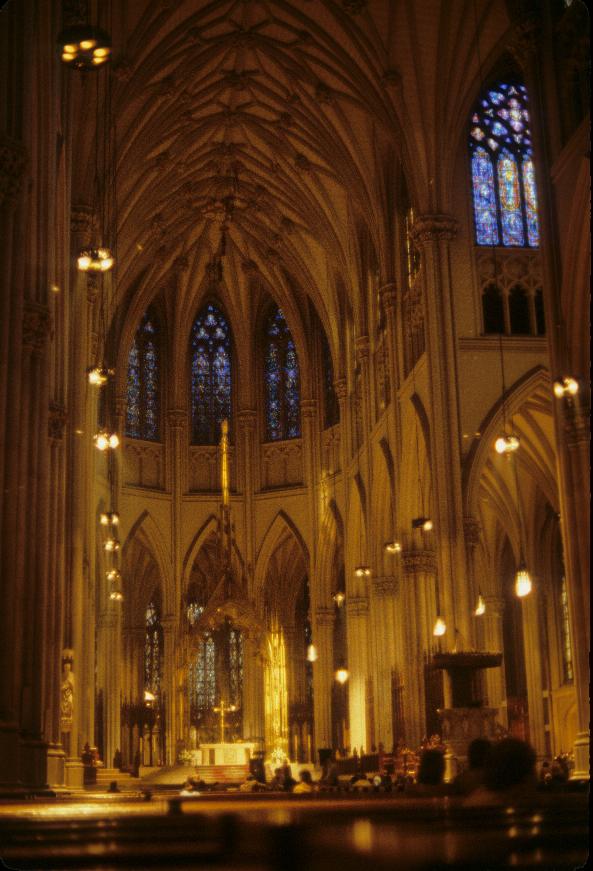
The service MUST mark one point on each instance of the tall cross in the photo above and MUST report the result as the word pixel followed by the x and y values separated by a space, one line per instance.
pixel 223 709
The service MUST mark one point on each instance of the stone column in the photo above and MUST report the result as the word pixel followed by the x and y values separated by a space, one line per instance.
pixel 493 642
pixel 168 695
pixel 532 49
pixel 323 675
pixel 418 604
pixel 388 294
pixel 253 691
pixel 246 419
pixel 433 233
pixel 357 611
pixel 383 655
pixel 532 647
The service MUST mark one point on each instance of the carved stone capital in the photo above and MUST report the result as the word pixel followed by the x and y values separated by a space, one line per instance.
pixel 357 606
pixel 576 422
pixel 388 295
pixel 362 347
pixel 472 529
pixel 82 222
pixel 386 586
pixel 416 562
pixel 434 228
pixel 56 421
pixel 36 326
pixel 324 616
pixel 247 418
pixel 308 408
pixel 13 161
pixel 93 285
pixel 176 418
pixel 341 389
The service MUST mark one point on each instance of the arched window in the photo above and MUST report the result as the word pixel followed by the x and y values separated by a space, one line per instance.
pixel 144 377
pixel 210 350
pixel 281 373
pixel 153 646
pixel 503 176
pixel 540 320
pixel 202 671
pixel 493 310
pixel 331 410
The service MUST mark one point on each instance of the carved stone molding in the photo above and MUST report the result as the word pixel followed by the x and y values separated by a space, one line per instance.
pixel 82 222
pixel 577 423
pixel 362 347
pixel 386 586
pixel 472 529
pixel 388 295
pixel 36 326
pixel 247 418
pixel 324 616
pixel 93 285
pixel 13 161
pixel 341 389
pixel 434 228
pixel 176 418
pixel 56 421
pixel 415 562
pixel 357 606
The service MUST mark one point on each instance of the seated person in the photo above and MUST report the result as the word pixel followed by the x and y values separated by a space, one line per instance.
pixel 431 770
pixel 249 784
pixel 306 783
pixel 473 775
pixel 277 782
pixel 509 775
pixel 360 781
pixel 188 788
pixel 289 780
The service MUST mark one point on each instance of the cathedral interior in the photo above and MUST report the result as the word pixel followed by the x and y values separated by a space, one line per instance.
pixel 294 378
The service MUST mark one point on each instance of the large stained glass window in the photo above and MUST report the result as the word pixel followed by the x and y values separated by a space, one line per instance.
pixel 281 372
pixel 210 354
pixel 153 646
pixel 503 176
pixel 144 375
pixel 202 671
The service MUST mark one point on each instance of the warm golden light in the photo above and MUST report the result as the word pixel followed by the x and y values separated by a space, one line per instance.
pixel 393 547
pixel 440 627
pixel 109 517
pixel 312 654
pixel 116 596
pixel 362 572
pixel 342 674
pixel 87 44
pixel 81 44
pixel 523 585
pixel 111 545
pixel 99 375
pixel 148 696
pixel 95 259
pixel 105 440
pixel 101 52
pixel 113 575
pixel 427 525
pixel 566 386
pixel 506 444
pixel 480 606
pixel 339 598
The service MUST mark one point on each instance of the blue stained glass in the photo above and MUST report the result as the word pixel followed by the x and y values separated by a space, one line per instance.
pixel 143 395
pixel 484 198
pixel 510 200
pixel 504 192
pixel 282 382
pixel 210 375
pixel 530 202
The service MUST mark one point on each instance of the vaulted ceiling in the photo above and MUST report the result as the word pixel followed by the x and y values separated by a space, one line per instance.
pixel 299 116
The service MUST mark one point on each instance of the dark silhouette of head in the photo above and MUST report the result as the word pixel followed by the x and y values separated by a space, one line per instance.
pixel 511 762
pixel 478 752
pixel 431 768
pixel 306 777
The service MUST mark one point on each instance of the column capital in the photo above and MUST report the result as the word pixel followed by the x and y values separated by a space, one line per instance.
pixel 176 418
pixel 82 221
pixel 36 326
pixel 93 284
pixel 472 529
pixel 324 616
pixel 362 347
pixel 247 418
pixel 308 408
pixel 385 586
pixel 56 421
pixel 341 389
pixel 434 228
pixel 357 606
pixel 13 162
pixel 415 562
pixel 576 422
pixel 388 295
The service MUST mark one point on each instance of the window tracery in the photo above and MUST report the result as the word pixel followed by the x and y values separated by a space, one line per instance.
pixel 153 646
pixel 144 376
pixel 282 381
pixel 503 175
pixel 210 351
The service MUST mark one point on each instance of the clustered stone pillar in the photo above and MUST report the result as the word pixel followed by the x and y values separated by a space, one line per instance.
pixel 493 642
pixel 383 655
pixel 418 608
pixel 357 611
pixel 323 675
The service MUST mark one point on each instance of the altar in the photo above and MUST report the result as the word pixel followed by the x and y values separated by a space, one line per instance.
pixel 222 762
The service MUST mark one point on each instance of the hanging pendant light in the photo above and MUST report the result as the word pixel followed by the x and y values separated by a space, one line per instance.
pixel 506 444
pixel 342 673
pixel 480 606
pixel 113 575
pixel 116 595
pixel 312 654
pixel 99 375
pixel 423 523
pixel 393 547
pixel 362 571
pixel 111 545
pixel 109 518
pixel 565 386
pixel 95 260
pixel 84 47
pixel 439 628
pixel 339 598
pixel 105 440
pixel 523 584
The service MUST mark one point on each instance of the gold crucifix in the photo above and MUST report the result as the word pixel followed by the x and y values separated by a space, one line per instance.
pixel 223 709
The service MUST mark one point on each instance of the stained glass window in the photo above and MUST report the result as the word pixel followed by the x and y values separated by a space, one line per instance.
pixel 152 650
pixel 503 175
pixel 143 410
pixel 202 671
pixel 210 353
pixel 330 406
pixel 282 387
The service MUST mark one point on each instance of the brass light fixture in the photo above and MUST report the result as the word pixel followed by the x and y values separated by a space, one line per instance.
pixel 84 47
pixel 565 386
